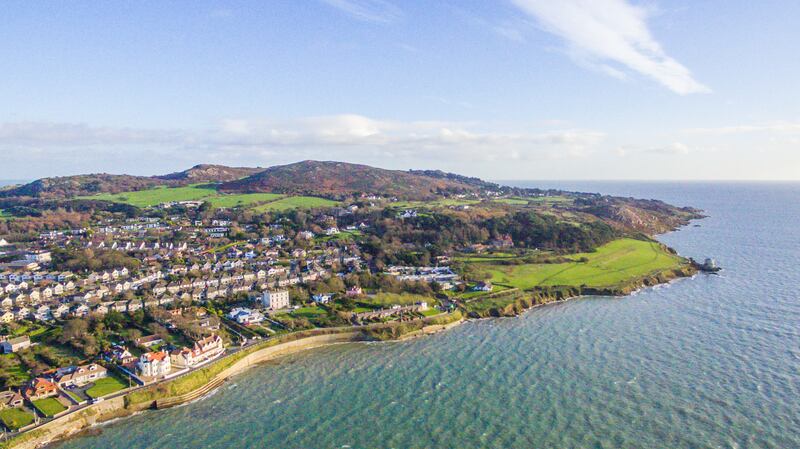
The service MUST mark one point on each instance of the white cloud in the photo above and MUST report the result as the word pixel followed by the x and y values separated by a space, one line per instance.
pixel 256 141
pixel 378 11
pixel 775 127
pixel 599 32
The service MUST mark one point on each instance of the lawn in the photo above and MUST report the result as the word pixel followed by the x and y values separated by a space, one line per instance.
pixel 243 200
pixel 384 299
pixel 309 312
pixel 105 386
pixel 4 214
pixel 158 195
pixel 295 202
pixel 613 263
pixel 14 418
pixel 49 406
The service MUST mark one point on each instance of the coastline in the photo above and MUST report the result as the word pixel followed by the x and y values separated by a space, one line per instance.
pixel 169 394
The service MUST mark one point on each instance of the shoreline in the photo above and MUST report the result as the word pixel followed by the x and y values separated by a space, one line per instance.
pixel 90 419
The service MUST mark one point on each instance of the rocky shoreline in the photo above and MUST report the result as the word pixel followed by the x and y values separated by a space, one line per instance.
pixel 86 420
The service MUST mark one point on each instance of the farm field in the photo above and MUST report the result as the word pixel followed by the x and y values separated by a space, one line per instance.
pixel 295 202
pixel 207 192
pixel 612 263
pixel 445 202
pixel 156 196
pixel 242 200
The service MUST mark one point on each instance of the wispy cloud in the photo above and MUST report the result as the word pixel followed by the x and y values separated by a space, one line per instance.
pixel 378 11
pixel 611 34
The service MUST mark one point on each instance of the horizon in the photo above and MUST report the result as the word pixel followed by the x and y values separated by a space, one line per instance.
pixel 518 89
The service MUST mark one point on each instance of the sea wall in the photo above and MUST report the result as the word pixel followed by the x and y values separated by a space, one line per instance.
pixel 208 378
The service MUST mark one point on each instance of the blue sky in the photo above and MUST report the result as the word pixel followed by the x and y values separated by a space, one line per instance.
pixel 506 89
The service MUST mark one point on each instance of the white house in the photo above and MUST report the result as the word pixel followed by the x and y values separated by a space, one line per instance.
pixel 274 300
pixel 154 364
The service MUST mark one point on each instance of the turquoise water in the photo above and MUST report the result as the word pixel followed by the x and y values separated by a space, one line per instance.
pixel 712 361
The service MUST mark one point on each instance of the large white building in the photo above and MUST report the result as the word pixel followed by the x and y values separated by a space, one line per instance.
pixel 154 364
pixel 274 300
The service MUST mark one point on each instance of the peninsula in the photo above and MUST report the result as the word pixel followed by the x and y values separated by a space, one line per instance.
pixel 120 293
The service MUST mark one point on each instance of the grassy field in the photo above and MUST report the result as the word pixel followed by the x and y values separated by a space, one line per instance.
pixel 104 386
pixel 295 202
pixel 389 299
pixel 49 406
pixel 208 192
pixel 309 312
pixel 613 263
pixel 445 202
pixel 513 201
pixel 154 197
pixel 243 200
pixel 14 418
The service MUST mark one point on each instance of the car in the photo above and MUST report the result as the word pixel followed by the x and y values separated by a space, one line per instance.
pixel 97 400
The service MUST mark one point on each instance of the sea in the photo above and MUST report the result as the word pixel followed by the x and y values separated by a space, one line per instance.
pixel 707 362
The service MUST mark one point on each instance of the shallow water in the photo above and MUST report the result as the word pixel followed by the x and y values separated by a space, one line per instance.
pixel 712 361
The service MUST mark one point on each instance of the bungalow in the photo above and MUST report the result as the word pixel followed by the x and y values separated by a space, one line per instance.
pixel 10 399
pixel 322 298
pixel 148 341
pixel 354 291
pixel 81 375
pixel 482 287
pixel 15 344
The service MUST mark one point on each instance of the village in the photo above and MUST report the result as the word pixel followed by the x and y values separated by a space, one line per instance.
pixel 185 292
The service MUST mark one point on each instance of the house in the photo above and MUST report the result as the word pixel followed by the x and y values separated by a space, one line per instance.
pixel 10 399
pixel 15 344
pixel 40 388
pixel 274 300
pixel 333 230
pixel 354 291
pixel 81 375
pixel 148 341
pixel 154 364
pixel 322 298
pixel 245 316
pixel 7 316
pixel 482 287
pixel 203 350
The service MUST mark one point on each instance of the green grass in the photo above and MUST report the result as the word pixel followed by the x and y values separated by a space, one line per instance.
pixel 74 396
pixel 243 200
pixel 343 234
pixel 14 418
pixel 444 202
pixel 309 312
pixel 295 202
pixel 105 386
pixel 156 196
pixel 616 262
pixel 389 299
pixel 49 406
pixel 513 201
pixel 4 214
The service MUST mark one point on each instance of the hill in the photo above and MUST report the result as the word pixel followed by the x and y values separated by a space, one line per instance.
pixel 84 185
pixel 210 173
pixel 339 179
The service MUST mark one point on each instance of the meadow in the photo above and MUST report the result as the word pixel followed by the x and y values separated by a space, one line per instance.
pixel 295 202
pixel 260 202
pixel 613 263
